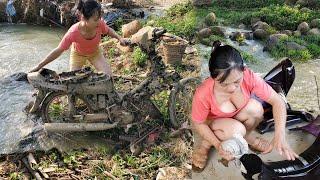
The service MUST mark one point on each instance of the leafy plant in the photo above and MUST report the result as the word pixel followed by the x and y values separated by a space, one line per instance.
pixel 139 57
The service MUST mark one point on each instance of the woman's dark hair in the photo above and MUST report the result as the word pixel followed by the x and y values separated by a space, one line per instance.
pixel 89 8
pixel 224 59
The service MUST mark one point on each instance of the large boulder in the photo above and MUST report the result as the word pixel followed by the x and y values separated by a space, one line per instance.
pixel 273 40
pixel 201 2
pixel 315 23
pixel 218 30
pixel 296 33
pixel 204 33
pixel 314 31
pixel 294 46
pixel 290 2
pixel 210 19
pixel 303 28
pixel 131 28
pixel 287 32
pixel 235 35
pixel 307 3
pixel 254 20
pixel 260 34
pixel 261 25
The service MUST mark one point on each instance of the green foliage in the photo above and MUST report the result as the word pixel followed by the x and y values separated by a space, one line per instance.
pixel 280 50
pixel 118 24
pixel 16 176
pixel 72 158
pixel 55 110
pixel 248 57
pixel 179 9
pixel 244 4
pixel 181 26
pixel 208 41
pixel 139 57
pixel 111 52
pixel 312 43
pixel 314 49
pixel 161 100
pixel 282 16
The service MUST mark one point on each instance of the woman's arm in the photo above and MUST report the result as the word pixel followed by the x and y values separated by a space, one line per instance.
pixel 206 133
pixel 279 115
pixel 113 34
pixel 50 57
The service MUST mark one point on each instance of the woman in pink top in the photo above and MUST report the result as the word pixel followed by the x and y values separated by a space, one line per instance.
pixel 223 106
pixel 84 37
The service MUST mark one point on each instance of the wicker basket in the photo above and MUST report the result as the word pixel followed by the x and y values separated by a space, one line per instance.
pixel 173 50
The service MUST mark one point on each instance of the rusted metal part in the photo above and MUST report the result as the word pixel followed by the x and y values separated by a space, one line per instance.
pixel 29 162
pixel 39 98
pixel 78 127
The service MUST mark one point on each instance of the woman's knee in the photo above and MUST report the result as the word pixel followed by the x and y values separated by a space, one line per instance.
pixel 253 110
pixel 226 128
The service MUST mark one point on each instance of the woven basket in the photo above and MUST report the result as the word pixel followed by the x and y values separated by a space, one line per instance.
pixel 173 51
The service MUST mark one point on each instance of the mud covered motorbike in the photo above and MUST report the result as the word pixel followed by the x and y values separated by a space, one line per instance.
pixel 84 100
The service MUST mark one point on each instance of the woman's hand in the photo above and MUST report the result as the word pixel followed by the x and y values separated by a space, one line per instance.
pixel 124 42
pixel 281 145
pixel 35 69
pixel 225 154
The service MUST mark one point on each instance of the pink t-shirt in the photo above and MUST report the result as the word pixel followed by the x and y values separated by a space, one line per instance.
pixel 83 46
pixel 205 107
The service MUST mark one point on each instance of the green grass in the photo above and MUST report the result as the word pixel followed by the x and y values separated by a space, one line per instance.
pixel 284 17
pixel 312 43
pixel 139 57
pixel 280 51
pixel 245 4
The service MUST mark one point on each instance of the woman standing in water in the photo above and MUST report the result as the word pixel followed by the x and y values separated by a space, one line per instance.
pixel 225 105
pixel 84 38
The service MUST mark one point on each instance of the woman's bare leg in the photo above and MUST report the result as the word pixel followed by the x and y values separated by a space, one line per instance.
pixel 223 129
pixel 251 115
pixel 101 64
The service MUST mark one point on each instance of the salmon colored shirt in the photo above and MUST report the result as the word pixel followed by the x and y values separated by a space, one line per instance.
pixel 83 46
pixel 204 105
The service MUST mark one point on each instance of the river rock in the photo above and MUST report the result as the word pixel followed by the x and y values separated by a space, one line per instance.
pixel 260 34
pixel 210 19
pixel 235 35
pixel 287 32
pixel 315 23
pixel 218 30
pixel 201 2
pixel 261 25
pixel 303 28
pixel 314 31
pixel 131 28
pixel 296 33
pixel 254 20
pixel 242 26
pixel 273 40
pixel 305 10
pixel 294 46
pixel 290 2
pixel 248 35
pixel 204 33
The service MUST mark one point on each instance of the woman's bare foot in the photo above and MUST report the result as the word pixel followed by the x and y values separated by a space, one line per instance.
pixel 257 143
pixel 200 156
